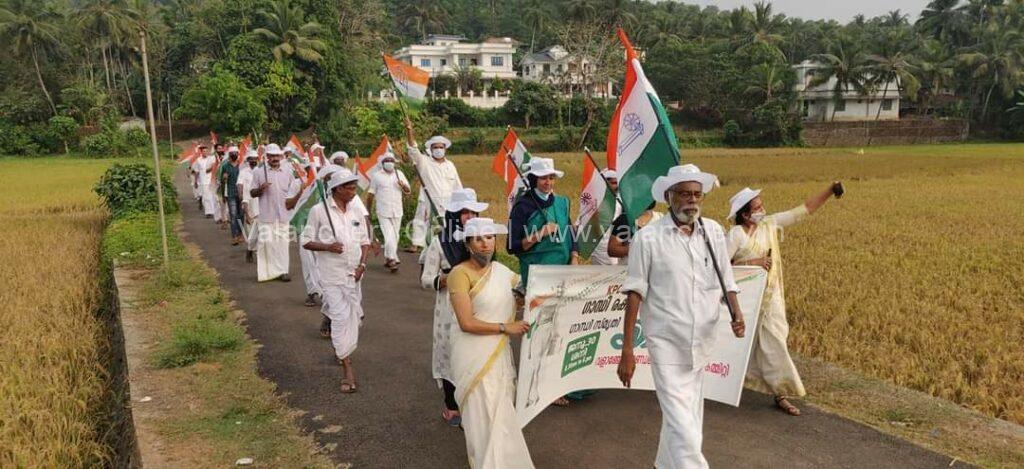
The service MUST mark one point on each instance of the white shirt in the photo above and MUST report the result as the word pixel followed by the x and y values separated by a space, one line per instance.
pixel 283 185
pixel 245 178
pixel 676 279
pixel 350 231
pixel 440 178
pixel 387 192
pixel 201 165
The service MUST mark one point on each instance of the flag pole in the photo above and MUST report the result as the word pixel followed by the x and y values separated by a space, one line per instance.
pixel 523 179
pixel 327 209
pixel 405 114
pixel 714 262
pixel 606 183
pixel 156 154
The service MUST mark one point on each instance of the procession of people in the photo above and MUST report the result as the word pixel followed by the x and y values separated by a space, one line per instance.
pixel 670 285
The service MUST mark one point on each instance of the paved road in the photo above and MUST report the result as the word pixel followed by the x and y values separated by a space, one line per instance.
pixel 394 419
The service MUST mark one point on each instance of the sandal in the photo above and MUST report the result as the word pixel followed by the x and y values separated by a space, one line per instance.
pixel 787 406
pixel 348 387
pixel 452 417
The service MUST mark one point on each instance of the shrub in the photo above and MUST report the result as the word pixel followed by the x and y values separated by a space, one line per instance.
pixel 733 132
pixel 15 140
pixel 45 139
pixel 136 137
pixel 197 340
pixel 224 102
pixel 99 145
pixel 66 129
pixel 129 188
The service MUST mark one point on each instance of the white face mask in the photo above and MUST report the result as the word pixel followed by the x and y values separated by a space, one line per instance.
pixel 756 217
pixel 389 166
pixel 437 153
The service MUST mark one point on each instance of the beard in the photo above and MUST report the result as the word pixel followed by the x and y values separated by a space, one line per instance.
pixel 683 217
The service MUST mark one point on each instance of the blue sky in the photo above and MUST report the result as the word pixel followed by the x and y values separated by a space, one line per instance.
pixel 840 10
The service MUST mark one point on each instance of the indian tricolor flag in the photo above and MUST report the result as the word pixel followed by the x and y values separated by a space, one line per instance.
pixel 296 146
pixel 368 166
pixel 641 143
pixel 410 81
pixel 505 167
pixel 189 155
pixel 597 208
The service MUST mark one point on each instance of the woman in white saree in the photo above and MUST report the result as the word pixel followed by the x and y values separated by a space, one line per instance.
pixel 481 360
pixel 754 240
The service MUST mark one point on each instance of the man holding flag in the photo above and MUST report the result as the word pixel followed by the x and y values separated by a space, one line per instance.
pixel 278 191
pixel 438 176
pixel 249 206
pixel 229 181
pixel 385 193
pixel 203 168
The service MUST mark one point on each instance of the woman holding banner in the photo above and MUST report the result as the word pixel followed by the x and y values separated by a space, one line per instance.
pixel 754 240
pixel 481 294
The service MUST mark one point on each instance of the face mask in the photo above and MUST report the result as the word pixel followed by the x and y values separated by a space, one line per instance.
pixel 437 153
pixel 543 195
pixel 389 166
pixel 483 259
pixel 757 217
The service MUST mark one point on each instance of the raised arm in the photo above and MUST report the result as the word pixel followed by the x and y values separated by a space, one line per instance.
pixel 816 201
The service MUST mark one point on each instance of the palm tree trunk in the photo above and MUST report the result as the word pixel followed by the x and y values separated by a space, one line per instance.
pixel 127 92
pixel 106 68
pixel 984 108
pixel 878 115
pixel 42 85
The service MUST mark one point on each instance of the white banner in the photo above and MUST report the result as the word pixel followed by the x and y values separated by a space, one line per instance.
pixel 576 339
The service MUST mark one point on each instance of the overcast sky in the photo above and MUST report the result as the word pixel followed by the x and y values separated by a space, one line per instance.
pixel 840 10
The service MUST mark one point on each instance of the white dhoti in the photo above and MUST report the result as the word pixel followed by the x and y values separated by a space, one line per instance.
pixel 272 250
pixel 309 273
pixel 421 221
pixel 343 304
pixel 678 388
pixel 196 189
pixel 209 201
pixel 251 233
pixel 389 227
pixel 222 209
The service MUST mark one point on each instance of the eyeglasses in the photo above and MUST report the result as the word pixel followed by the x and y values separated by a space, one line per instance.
pixel 683 195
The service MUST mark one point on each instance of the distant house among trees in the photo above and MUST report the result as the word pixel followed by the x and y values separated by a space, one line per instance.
pixel 821 97
pixel 557 67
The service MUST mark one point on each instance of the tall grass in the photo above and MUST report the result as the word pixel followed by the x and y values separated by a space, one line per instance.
pixel 917 276
pixel 54 388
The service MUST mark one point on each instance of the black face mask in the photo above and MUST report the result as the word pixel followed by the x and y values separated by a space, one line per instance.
pixel 233 156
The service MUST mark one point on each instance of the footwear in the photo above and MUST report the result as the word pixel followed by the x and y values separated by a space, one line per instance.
pixel 310 300
pixel 348 387
pixel 325 328
pixel 786 406
pixel 249 257
pixel 285 278
pixel 452 417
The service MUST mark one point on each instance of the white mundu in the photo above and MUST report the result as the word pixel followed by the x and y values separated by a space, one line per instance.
pixel 771 369
pixel 485 377
pixel 274 232
pixel 342 294
pixel 674 275
pixel 201 166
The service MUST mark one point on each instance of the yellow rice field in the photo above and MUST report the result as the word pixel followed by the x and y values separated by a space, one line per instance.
pixel 52 388
pixel 916 276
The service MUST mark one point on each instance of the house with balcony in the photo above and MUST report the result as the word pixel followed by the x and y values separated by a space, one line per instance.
pixel 557 67
pixel 818 104
pixel 442 54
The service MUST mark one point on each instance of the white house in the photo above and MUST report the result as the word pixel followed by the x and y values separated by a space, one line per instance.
pixel 818 103
pixel 441 54
pixel 555 66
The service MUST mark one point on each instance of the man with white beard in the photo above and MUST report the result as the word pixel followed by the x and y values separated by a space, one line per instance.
pixel 671 282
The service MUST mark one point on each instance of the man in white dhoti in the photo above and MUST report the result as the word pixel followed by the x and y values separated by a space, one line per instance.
pixel 387 187
pixel 340 243
pixel 600 255
pixel 204 167
pixel 193 171
pixel 249 205
pixel 755 240
pixel 278 190
pixel 219 210
pixel 439 178
pixel 671 282
pixel 485 379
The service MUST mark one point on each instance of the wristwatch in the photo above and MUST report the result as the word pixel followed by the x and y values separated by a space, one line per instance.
pixel 501 327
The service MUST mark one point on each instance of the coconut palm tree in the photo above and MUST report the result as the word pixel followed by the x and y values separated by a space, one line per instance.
pixel 423 16
pixel 104 22
pixel 30 28
pixel 289 32
pixel 843 63
pixel 894 63
pixel 943 21
pixel 536 15
pixel 997 60
pixel 935 67
pixel 769 80
pixel 895 18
